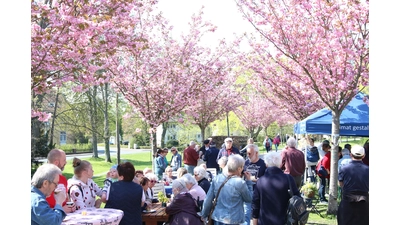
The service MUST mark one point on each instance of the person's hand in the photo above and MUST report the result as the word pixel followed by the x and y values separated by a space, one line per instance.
pixel 108 174
pixel 97 203
pixel 69 208
pixel 247 175
pixel 104 197
pixel 60 197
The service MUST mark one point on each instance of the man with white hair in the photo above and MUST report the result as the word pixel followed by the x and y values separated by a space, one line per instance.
pixel 293 162
pixel 256 167
pixel 43 184
pixel 190 157
pixel 354 181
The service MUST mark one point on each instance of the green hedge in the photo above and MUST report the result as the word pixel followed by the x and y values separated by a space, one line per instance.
pixel 79 148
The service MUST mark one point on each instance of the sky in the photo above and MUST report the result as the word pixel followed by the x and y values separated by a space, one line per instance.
pixel 15 91
pixel 222 13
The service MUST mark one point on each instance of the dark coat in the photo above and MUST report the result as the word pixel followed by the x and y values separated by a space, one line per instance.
pixel 126 196
pixel 204 183
pixel 182 211
pixel 211 158
pixel 271 196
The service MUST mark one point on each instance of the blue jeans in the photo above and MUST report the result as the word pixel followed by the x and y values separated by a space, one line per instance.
pixel 190 169
pixel 220 223
pixel 247 213
pixel 321 189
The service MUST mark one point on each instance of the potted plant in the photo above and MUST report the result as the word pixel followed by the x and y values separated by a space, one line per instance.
pixel 309 189
pixel 162 198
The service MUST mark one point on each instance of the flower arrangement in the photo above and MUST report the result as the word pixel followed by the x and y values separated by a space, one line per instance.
pixel 309 189
pixel 162 198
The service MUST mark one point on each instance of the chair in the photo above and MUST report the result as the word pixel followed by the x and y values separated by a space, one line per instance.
pixel 213 171
pixel 310 204
pixel 158 187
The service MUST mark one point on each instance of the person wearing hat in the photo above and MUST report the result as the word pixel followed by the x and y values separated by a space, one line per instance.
pixel 210 157
pixel 354 181
pixel 227 149
pixel 204 148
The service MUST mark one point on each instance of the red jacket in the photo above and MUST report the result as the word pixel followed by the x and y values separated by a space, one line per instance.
pixel 190 156
pixel 51 200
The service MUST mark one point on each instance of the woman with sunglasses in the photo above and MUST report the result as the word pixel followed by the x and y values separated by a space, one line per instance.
pixel 81 188
pixel 153 179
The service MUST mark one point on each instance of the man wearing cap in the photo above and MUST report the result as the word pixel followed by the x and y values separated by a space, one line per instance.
pixel 211 156
pixel 176 159
pixel 204 148
pixel 354 181
pixel 228 149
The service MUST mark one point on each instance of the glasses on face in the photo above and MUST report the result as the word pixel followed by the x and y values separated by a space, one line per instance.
pixel 195 175
pixel 153 181
pixel 53 183
pixel 169 171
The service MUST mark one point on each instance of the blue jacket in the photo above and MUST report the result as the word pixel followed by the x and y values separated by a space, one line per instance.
pixel 211 158
pixel 160 166
pixel 41 213
pixel 234 193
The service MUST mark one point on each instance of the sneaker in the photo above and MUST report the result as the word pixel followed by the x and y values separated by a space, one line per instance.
pixel 323 202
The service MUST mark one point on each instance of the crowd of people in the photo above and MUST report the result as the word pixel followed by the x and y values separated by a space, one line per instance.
pixel 244 190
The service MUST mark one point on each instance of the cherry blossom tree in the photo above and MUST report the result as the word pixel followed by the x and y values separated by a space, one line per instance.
pixel 257 113
pixel 215 103
pixel 159 75
pixel 318 45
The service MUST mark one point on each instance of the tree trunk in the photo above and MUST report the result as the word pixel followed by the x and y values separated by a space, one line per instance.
pixel 164 132
pixel 203 132
pixel 53 119
pixel 153 141
pixel 333 184
pixel 117 132
pixel 259 129
pixel 93 119
pixel 106 126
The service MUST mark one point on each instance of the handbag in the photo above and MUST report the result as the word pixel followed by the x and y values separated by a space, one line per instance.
pixel 210 221
pixel 322 172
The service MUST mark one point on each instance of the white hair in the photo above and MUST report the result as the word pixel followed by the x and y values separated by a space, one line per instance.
pixel 188 179
pixel 202 173
pixel 234 162
pixel 291 142
pixel 151 176
pixel 253 146
pixel 273 159
pixel 179 185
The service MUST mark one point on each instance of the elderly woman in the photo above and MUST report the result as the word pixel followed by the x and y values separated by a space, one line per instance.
pixel 201 176
pixel 234 192
pixel 181 171
pixel 153 179
pixel 222 163
pixel 270 197
pixel 182 209
pixel 194 189
pixel 168 176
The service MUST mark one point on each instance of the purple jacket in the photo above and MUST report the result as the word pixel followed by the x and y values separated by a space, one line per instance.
pixel 182 211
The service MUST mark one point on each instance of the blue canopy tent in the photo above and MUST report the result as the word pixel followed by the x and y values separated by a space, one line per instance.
pixel 354 120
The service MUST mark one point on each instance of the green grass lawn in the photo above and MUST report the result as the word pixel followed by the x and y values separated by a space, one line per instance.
pixel 141 161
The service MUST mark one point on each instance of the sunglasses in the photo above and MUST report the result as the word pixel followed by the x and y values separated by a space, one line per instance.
pixel 153 181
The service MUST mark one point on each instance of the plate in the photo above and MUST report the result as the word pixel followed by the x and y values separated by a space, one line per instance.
pixel 151 211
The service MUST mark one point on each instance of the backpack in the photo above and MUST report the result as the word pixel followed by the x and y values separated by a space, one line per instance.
pixel 267 145
pixel 297 213
pixel 312 154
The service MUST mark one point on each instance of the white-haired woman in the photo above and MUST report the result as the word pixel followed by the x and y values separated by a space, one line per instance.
pixel 194 189
pixel 270 197
pixel 236 191
pixel 201 176
pixel 153 179
pixel 182 209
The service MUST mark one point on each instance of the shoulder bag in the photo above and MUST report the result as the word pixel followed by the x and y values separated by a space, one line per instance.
pixel 210 221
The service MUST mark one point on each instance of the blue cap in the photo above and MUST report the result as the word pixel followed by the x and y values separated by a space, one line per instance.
pixel 114 166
